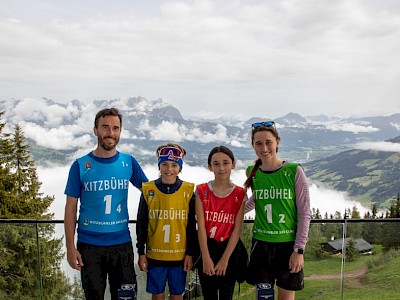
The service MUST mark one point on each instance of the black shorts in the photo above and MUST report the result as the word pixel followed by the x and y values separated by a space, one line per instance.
pixel 269 262
pixel 99 261
pixel 218 287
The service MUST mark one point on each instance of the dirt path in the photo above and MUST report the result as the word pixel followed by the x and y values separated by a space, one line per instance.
pixel 356 274
pixel 351 274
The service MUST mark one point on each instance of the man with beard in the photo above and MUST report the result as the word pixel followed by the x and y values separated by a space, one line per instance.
pixel 100 180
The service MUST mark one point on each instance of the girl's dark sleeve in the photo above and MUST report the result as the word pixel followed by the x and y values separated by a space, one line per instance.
pixel 191 232
pixel 142 225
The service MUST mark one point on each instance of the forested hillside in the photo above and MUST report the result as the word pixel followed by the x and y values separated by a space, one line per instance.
pixel 368 176
pixel 24 274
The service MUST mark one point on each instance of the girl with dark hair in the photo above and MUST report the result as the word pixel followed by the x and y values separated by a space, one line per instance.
pixel 219 211
pixel 282 205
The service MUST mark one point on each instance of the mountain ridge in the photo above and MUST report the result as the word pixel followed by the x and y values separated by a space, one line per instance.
pixel 57 132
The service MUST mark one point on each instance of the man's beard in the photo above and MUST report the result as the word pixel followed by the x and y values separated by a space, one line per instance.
pixel 106 146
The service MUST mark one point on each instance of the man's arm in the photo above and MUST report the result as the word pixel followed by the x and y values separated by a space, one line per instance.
pixel 70 218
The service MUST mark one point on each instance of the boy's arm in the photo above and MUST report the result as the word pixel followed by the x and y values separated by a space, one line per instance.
pixel 142 225
pixel 191 232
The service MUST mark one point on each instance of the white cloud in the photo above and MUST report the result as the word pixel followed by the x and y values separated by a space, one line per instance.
pixel 172 131
pixel 330 201
pixel 218 136
pixel 396 125
pixel 236 143
pixel 309 56
pixel 169 131
pixel 378 146
pixel 54 179
pixel 350 127
pixel 55 138
pixel 38 110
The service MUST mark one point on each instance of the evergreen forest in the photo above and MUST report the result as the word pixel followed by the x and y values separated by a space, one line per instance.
pixel 30 255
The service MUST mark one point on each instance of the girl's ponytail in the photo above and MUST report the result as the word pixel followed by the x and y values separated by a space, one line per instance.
pixel 249 181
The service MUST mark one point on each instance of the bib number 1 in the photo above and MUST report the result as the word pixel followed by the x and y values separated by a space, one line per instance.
pixel 107 200
pixel 268 209
pixel 167 233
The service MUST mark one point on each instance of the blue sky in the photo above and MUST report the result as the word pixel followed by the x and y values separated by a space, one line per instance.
pixel 207 58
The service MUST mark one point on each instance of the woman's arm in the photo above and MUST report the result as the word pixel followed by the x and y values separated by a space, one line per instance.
pixel 249 205
pixel 303 208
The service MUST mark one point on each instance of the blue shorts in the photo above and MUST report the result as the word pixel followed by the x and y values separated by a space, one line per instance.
pixel 157 278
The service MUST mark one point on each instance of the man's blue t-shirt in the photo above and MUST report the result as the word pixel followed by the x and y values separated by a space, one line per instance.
pixel 102 186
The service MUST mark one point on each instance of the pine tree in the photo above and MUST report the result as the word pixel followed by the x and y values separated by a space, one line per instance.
pixel 316 214
pixel 24 200
pixel 391 239
pixel 372 231
pixel 354 230
pixel 351 250
pixel 374 210
pixel 6 181
pixel 30 262
pixel 315 238
pixel 77 292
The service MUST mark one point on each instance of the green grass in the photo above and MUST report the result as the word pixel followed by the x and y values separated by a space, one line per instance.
pixel 332 265
pixel 380 282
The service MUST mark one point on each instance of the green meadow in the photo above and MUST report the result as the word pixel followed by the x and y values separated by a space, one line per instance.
pixel 369 277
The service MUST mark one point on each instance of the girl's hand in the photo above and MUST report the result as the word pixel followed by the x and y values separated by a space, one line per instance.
pixel 296 262
pixel 208 266
pixel 220 268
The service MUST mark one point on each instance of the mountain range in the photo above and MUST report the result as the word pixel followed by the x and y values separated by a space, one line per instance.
pixel 359 155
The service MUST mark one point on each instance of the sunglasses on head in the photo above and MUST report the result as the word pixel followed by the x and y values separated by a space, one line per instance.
pixel 170 151
pixel 263 124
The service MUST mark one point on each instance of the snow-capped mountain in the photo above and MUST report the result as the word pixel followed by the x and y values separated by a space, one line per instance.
pixel 54 130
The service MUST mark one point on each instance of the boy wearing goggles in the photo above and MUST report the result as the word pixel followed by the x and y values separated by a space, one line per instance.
pixel 166 226
pixel 282 205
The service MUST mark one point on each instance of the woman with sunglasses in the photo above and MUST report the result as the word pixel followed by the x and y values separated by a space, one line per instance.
pixel 219 211
pixel 282 217
pixel 166 226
